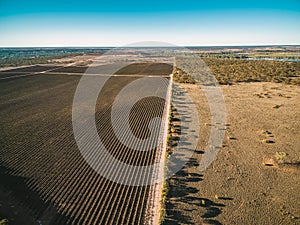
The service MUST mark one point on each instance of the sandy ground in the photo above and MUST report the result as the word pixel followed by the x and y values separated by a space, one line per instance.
pixel 80 60
pixel 248 183
pixel 12 67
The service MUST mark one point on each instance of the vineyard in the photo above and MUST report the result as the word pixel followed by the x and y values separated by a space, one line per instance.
pixel 43 175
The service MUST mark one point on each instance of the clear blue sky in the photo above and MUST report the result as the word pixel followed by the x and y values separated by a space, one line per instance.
pixel 116 22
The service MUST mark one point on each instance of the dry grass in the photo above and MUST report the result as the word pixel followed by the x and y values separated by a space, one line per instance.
pixel 181 76
pixel 229 71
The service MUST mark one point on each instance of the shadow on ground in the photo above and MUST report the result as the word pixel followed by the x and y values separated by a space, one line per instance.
pixel 19 204
pixel 180 191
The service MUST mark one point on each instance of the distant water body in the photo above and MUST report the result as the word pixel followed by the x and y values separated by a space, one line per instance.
pixel 275 59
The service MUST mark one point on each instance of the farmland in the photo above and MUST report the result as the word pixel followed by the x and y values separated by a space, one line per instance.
pixel 45 178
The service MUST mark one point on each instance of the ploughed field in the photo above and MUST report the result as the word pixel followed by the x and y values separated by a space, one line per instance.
pixel 44 178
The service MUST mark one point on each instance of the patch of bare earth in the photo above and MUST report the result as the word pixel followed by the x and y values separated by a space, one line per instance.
pixel 255 178
pixel 79 60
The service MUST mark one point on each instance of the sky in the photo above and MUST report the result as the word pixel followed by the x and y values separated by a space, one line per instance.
pixel 25 23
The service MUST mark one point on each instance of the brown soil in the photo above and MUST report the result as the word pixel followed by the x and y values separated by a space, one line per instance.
pixel 44 178
pixel 255 178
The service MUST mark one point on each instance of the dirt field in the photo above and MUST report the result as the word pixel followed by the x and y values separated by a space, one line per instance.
pixel 255 178
pixel 44 178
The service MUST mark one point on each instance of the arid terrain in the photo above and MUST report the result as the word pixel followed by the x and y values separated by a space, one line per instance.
pixel 255 177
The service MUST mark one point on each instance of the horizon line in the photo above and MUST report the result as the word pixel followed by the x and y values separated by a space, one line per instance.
pixel 161 46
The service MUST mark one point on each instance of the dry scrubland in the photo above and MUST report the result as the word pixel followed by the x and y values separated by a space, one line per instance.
pixel 229 71
pixel 255 178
